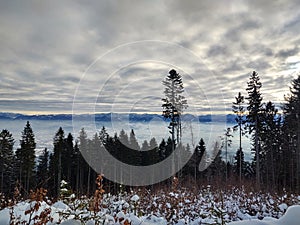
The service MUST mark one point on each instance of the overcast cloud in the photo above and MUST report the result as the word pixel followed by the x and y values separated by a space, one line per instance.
pixel 47 47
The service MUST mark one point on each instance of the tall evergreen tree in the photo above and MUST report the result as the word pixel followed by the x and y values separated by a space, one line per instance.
pixel 162 149
pixel 270 145
pixel 226 142
pixel 146 160
pixel 84 168
pixel 77 167
pixel 239 164
pixel 68 158
pixel 253 117
pixel 216 170
pixel 6 161
pixel 133 141
pixel 194 162
pixel 291 111
pixel 56 161
pixel 174 103
pixel 43 169
pixel 25 157
pixel 155 157
pixel 239 110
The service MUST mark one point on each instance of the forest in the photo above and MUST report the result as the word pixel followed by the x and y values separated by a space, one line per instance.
pixel 275 140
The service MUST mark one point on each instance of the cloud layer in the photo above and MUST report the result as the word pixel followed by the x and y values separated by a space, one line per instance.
pixel 47 48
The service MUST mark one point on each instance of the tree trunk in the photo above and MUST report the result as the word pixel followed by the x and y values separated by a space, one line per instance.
pixel 2 178
pixel 226 159
pixel 77 176
pixel 173 128
pixel 298 154
pixel 88 181
pixel 240 152
pixel 257 155
pixel 59 173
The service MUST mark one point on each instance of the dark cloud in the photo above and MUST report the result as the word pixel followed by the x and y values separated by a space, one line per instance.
pixel 217 50
pixel 284 53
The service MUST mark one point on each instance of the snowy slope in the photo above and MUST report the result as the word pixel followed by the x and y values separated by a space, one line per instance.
pixel 291 217
pixel 178 207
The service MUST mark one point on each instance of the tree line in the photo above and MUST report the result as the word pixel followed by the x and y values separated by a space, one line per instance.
pixel 275 136
pixel 275 141
pixel 23 169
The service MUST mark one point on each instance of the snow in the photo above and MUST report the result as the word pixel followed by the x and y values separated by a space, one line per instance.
pixel 60 205
pixel 135 198
pixel 291 217
pixel 178 208
pixel 4 216
pixel 283 207
pixel 71 222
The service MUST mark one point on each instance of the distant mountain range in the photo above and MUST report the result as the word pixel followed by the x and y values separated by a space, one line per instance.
pixel 230 118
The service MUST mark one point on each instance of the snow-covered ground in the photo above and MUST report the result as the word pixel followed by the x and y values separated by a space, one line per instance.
pixel 142 207
pixel 291 217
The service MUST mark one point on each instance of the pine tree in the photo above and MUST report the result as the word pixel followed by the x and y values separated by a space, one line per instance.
pixel 170 145
pixel 145 156
pixel 25 157
pixel 239 164
pixel 216 170
pixel 56 161
pixel 174 103
pixel 84 168
pixel 270 144
pixel 42 169
pixel 154 155
pixel 155 158
pixel 162 149
pixel 226 142
pixel 6 161
pixel 291 111
pixel 121 144
pixel 254 119
pixel 77 166
pixel 67 158
pixel 133 142
pixel 105 145
pixel 94 146
pixel 194 162
pixel 239 110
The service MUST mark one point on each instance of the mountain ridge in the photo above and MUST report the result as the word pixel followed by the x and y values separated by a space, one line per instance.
pixel 146 117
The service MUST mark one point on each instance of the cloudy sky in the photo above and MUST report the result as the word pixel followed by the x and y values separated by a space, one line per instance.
pixel 111 56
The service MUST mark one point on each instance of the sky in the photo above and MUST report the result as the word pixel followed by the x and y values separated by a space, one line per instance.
pixel 111 56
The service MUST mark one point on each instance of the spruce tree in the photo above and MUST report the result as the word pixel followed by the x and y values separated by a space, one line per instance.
pixel 239 110
pixel 146 160
pixel 162 149
pixel 194 162
pixel 43 169
pixel 226 142
pixel 6 161
pixel 68 159
pixel 291 111
pixel 270 144
pixel 254 118
pixel 25 157
pixel 239 164
pixel 216 170
pixel 56 161
pixel 174 103
pixel 154 151
pixel 134 145
pixel 83 145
